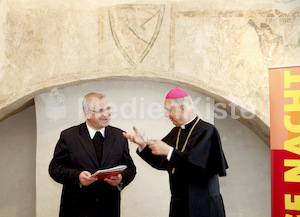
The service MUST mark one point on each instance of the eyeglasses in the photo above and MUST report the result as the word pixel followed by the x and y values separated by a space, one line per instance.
pixel 100 111
pixel 145 138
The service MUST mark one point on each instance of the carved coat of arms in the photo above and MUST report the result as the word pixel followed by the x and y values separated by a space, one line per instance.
pixel 135 29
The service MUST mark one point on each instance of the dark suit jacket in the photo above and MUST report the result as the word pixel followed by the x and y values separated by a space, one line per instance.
pixel 74 153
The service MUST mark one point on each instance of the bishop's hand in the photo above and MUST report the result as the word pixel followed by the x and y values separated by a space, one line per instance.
pixel 137 138
pixel 159 147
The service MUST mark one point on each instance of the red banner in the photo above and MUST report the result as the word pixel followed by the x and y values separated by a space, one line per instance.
pixel 285 141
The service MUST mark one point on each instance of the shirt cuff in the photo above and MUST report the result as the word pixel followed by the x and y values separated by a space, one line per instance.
pixel 120 186
pixel 170 154
pixel 141 149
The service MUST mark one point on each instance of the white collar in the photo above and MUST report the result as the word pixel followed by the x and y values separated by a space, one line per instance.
pixel 183 126
pixel 92 132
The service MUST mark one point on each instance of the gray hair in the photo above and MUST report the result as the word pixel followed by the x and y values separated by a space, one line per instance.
pixel 187 101
pixel 86 102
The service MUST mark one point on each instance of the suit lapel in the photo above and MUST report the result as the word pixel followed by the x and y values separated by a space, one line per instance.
pixel 87 143
pixel 108 143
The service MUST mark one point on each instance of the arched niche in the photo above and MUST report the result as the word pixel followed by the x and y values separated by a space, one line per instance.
pixel 58 108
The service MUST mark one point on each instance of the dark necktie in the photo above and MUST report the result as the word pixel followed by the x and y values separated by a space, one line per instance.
pixel 98 144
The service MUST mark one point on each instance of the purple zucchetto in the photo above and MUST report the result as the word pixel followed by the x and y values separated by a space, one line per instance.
pixel 176 93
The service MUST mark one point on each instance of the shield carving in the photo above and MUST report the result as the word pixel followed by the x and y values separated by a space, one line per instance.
pixel 135 29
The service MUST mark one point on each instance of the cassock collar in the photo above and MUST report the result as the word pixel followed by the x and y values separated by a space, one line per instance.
pixel 92 132
pixel 184 126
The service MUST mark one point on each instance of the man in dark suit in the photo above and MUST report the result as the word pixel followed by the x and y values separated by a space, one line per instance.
pixel 84 149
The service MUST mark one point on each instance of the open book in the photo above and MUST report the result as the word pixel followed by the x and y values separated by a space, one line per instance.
pixel 106 173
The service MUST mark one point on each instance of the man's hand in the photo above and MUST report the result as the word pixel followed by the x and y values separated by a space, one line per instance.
pixel 159 147
pixel 114 180
pixel 85 178
pixel 136 138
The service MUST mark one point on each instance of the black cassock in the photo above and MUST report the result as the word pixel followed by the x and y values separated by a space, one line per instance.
pixel 194 182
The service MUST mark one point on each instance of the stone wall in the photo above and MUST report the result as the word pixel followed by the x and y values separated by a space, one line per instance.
pixel 220 48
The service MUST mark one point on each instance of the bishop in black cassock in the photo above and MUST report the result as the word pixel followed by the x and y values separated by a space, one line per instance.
pixel 193 156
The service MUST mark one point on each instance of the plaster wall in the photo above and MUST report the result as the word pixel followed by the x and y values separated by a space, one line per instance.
pixel 17 164
pixel 133 103
pixel 246 188
pixel 222 48
pixel 148 194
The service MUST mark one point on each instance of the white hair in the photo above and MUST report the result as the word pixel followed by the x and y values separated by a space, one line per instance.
pixel 86 102
pixel 186 101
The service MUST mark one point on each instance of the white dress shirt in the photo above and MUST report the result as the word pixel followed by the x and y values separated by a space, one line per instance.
pixel 92 132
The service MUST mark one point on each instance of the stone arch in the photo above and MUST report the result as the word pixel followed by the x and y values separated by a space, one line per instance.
pixel 255 123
